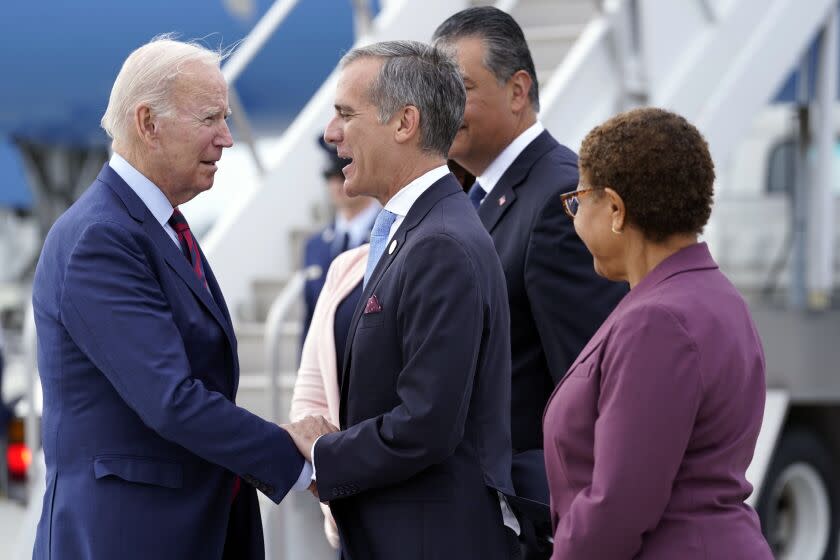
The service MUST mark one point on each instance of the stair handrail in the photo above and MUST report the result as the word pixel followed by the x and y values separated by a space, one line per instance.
pixel 277 314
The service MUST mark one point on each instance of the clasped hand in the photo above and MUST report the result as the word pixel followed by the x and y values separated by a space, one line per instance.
pixel 304 433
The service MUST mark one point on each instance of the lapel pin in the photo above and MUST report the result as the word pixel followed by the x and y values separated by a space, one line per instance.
pixel 392 247
pixel 502 200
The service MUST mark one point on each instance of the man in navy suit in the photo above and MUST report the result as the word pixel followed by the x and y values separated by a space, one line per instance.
pixel 425 390
pixel 147 454
pixel 354 217
pixel 557 302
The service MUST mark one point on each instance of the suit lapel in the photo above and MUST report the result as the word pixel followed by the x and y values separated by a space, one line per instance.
pixel 178 262
pixel 442 188
pixel 503 195
pixel 171 252
pixel 496 205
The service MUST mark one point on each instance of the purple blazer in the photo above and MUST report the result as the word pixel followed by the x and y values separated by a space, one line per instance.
pixel 648 437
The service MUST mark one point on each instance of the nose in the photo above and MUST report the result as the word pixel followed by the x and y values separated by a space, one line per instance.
pixel 224 138
pixel 332 134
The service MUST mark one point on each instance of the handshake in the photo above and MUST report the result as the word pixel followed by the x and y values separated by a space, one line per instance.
pixel 305 432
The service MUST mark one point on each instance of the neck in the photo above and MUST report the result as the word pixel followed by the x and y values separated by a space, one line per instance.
pixel 523 122
pixel 409 172
pixel 644 255
pixel 141 163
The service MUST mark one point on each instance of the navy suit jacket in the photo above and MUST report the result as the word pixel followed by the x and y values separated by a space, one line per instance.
pixel 557 301
pixel 139 371
pixel 425 395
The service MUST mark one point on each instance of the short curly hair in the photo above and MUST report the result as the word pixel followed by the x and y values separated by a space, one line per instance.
pixel 659 164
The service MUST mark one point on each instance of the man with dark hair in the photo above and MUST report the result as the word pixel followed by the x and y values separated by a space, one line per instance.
pixel 425 390
pixel 354 218
pixel 557 302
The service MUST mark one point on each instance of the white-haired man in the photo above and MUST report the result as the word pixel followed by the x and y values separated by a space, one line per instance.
pixel 144 445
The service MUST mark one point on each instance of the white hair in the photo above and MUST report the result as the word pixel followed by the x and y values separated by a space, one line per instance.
pixel 146 78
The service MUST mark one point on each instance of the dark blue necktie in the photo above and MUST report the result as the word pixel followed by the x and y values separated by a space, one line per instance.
pixel 476 194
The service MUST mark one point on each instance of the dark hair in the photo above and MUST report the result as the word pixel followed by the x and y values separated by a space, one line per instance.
pixel 659 164
pixel 506 49
pixel 417 74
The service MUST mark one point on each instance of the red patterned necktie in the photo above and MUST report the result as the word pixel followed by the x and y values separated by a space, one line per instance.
pixel 190 249
pixel 188 245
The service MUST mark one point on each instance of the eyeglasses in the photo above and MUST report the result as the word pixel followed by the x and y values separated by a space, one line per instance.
pixel 571 200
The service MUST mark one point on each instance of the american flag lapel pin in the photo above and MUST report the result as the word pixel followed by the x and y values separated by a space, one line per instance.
pixel 502 200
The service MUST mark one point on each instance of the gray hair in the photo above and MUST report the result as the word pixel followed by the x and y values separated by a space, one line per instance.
pixel 506 52
pixel 417 74
pixel 147 77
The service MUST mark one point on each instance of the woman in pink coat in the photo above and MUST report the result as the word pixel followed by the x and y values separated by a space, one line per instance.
pixel 649 435
pixel 316 387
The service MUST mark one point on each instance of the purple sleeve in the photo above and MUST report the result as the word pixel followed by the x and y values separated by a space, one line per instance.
pixel 650 392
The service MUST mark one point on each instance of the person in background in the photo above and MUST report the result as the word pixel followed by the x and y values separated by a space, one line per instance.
pixel 556 300
pixel 649 435
pixel 354 217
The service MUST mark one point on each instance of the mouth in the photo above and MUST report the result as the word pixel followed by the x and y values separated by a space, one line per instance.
pixel 349 162
pixel 210 163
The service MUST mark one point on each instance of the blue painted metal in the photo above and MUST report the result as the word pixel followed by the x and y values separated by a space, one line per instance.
pixel 59 59
pixel 14 190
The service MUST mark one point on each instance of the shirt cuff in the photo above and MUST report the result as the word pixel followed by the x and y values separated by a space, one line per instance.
pixel 312 454
pixel 306 477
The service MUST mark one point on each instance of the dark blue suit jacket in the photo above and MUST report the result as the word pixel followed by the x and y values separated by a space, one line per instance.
pixel 557 301
pixel 425 396
pixel 139 371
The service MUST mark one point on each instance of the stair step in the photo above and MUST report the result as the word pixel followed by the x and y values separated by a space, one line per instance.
pixel 254 394
pixel 251 340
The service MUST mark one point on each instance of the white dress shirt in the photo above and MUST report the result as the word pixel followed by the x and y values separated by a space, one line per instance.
pixel 497 168
pixel 161 209
pixel 402 202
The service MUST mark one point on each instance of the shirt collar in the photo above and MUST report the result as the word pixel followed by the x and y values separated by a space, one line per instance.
pixel 149 193
pixel 402 202
pixel 495 170
pixel 357 228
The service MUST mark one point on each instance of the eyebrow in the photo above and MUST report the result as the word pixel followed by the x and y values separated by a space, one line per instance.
pixel 343 108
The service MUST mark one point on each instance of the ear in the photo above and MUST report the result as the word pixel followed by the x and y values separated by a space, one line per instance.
pixel 407 124
pixel 519 85
pixel 146 125
pixel 618 212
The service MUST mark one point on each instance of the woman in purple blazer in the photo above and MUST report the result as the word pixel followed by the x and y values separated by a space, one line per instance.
pixel 648 437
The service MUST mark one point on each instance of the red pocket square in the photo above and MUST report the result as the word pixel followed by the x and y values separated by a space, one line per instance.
pixel 373 305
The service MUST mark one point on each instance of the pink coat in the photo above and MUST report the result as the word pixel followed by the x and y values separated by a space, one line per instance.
pixel 316 387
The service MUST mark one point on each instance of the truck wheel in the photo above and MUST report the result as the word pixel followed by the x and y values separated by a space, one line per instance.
pixel 798 506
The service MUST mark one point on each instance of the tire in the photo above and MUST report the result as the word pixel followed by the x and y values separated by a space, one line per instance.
pixel 799 506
